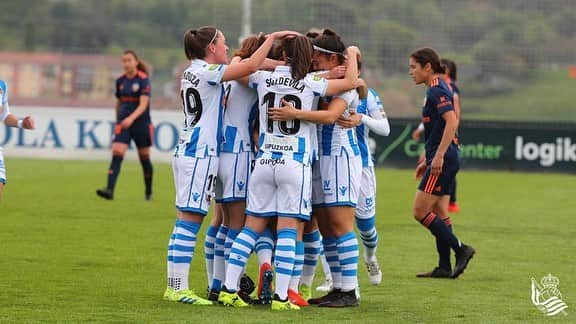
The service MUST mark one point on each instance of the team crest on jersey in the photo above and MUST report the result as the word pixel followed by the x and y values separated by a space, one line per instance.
pixel 135 87
pixel 316 78
pixel 240 185
pixel 213 67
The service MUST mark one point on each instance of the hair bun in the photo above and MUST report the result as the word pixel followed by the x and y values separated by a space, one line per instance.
pixel 329 32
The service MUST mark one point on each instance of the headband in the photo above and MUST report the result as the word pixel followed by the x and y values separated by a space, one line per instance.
pixel 320 49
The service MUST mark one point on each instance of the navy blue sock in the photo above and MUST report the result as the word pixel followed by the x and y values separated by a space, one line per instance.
pixel 453 194
pixel 444 249
pixel 148 171
pixel 441 231
pixel 114 171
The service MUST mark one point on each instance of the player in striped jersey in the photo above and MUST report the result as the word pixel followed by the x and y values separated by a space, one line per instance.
pixel 369 116
pixel 441 163
pixel 11 121
pixel 280 183
pixel 195 162
pixel 236 157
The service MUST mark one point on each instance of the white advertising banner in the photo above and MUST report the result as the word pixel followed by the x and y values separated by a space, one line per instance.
pixel 82 133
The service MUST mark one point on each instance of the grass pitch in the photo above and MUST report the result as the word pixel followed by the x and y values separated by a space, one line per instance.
pixel 66 255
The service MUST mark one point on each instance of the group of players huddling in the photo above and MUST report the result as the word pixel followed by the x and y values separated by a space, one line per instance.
pixel 278 136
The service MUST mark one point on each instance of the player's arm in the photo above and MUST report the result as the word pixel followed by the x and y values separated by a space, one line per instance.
pixel 377 123
pixel 128 121
pixel 350 80
pixel 417 133
pixel 457 106
pixel 13 121
pixel 447 137
pixel 328 116
pixel 251 64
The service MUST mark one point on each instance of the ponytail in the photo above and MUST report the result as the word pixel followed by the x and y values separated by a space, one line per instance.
pixel 197 40
pixel 298 52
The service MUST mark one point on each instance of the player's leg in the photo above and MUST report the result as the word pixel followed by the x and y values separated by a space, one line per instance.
pixel 293 203
pixel 143 136
pixel 119 147
pixel 2 174
pixel 194 180
pixel 453 206
pixel 312 246
pixel 293 292
pixel 209 243
pixel 264 250
pixel 431 189
pixel 366 223
pixel 261 206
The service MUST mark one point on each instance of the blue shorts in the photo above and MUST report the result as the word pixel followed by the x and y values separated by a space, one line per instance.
pixel 142 134
pixel 442 184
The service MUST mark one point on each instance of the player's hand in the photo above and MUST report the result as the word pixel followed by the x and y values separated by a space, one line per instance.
pixel 283 33
pixel 420 169
pixel 436 165
pixel 127 122
pixel 28 123
pixel 351 121
pixel 351 50
pixel 336 72
pixel 286 112
pixel 416 134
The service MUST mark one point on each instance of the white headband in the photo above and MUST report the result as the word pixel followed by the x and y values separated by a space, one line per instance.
pixel 320 49
pixel 213 38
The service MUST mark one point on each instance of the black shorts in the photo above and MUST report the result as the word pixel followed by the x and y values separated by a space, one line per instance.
pixel 442 184
pixel 142 134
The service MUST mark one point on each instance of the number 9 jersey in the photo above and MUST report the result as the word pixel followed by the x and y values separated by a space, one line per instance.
pixel 202 95
pixel 286 139
pixel 195 163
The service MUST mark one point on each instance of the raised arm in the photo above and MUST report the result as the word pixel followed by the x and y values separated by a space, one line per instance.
pixel 350 80
pixel 253 63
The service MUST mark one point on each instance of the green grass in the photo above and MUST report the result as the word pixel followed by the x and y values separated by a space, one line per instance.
pixel 67 256
pixel 548 97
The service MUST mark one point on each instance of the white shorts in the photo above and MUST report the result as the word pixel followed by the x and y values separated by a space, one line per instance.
pixel 317 193
pixel 2 168
pixel 280 188
pixel 340 179
pixel 366 207
pixel 194 179
pixel 233 175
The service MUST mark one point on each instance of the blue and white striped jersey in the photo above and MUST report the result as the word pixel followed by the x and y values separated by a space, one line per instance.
pixel 286 139
pixel 4 100
pixel 202 97
pixel 241 107
pixel 371 106
pixel 333 138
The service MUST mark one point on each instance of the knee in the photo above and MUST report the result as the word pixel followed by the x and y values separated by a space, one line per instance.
pixel 419 212
pixel 144 156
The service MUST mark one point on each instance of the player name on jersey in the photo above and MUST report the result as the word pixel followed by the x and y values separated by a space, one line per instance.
pixel 288 82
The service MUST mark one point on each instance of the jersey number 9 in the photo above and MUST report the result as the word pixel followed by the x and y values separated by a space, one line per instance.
pixel 192 105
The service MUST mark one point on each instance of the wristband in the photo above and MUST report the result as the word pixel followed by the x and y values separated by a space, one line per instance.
pixel 20 121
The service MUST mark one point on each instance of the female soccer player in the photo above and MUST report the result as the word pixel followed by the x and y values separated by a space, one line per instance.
pixel 450 75
pixel 441 164
pixel 240 109
pixel 369 116
pixel 195 162
pixel 340 170
pixel 280 183
pixel 11 121
pixel 132 122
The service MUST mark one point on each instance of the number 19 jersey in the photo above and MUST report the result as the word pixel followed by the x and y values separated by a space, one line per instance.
pixel 202 97
pixel 286 139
